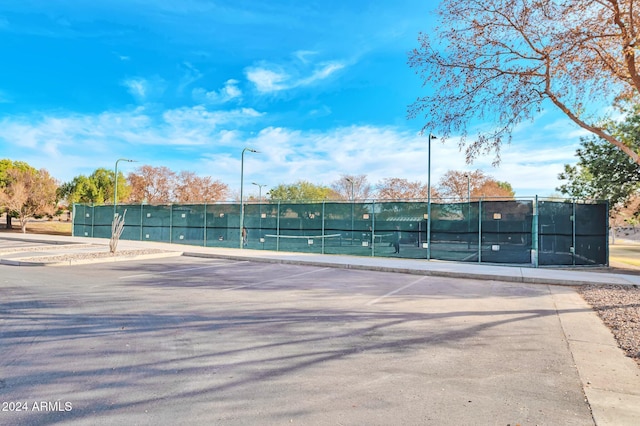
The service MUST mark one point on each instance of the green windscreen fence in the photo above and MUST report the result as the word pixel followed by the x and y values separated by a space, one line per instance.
pixel 520 232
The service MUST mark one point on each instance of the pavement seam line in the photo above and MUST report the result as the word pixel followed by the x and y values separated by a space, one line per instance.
pixel 391 293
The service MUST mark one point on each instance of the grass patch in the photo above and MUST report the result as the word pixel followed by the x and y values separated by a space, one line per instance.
pixel 629 254
pixel 52 227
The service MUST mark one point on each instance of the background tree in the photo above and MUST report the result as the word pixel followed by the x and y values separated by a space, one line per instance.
pixel 302 191
pixel 502 60
pixel 7 165
pixel 361 188
pixel 603 172
pixel 494 190
pixel 96 188
pixel 627 214
pixel 154 185
pixel 28 193
pixel 454 185
pixel 402 189
pixel 191 188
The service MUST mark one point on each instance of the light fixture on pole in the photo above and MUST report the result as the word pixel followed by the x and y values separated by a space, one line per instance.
pixel 259 190
pixel 259 204
pixel 468 209
pixel 115 183
pixel 242 194
pixel 352 207
pixel 468 176
pixel 429 199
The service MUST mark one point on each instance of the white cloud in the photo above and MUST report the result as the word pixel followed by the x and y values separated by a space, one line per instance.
pixel 191 75
pixel 143 89
pixel 228 92
pixel 137 87
pixel 68 144
pixel 267 80
pixel 209 142
pixel 303 55
pixel 269 77
pixel 321 73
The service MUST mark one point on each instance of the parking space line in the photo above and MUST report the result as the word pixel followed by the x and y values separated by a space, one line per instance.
pixel 391 293
pixel 276 279
pixel 175 271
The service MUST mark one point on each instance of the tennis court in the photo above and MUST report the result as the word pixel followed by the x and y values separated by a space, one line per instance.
pixel 527 231
pixel 211 341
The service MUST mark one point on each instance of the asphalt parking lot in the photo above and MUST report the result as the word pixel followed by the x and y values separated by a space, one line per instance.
pixel 212 341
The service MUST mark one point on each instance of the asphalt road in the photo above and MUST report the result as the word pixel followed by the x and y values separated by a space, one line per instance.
pixel 210 341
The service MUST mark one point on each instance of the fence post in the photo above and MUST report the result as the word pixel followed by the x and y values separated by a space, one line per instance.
pixel 204 236
pixel 170 223
pixel 141 221
pixel 573 234
pixel 373 228
pixel 323 203
pixel 73 219
pixel 480 230
pixel 278 228
pixel 534 234
pixel 607 230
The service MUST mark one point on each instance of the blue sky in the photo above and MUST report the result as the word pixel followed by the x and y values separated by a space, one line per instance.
pixel 320 88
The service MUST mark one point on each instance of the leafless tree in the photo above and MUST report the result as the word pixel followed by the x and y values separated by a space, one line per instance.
pixel 191 188
pixel 402 189
pixel 153 185
pixel 361 188
pixel 502 61
pixel 455 185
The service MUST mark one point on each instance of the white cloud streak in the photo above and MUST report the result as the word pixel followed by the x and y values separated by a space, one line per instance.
pixel 145 89
pixel 229 92
pixel 209 142
pixel 270 78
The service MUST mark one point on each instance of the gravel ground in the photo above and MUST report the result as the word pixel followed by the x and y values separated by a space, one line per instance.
pixel 92 255
pixel 619 308
pixel 49 247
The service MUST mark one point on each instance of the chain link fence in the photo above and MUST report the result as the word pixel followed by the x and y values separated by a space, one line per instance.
pixel 522 232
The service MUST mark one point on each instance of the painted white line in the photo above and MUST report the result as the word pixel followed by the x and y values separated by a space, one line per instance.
pixel 175 271
pixel 276 279
pixel 391 293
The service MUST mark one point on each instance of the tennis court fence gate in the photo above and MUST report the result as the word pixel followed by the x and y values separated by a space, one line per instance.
pixel 532 231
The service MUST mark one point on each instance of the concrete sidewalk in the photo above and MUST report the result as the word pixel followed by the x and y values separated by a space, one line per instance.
pixel 610 380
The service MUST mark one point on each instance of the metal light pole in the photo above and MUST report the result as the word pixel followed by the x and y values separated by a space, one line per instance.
pixel 429 199
pixel 259 190
pixel 115 183
pixel 468 210
pixel 352 207
pixel 241 193
pixel 259 204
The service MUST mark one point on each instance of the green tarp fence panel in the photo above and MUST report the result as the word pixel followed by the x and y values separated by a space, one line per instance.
pixel 520 232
